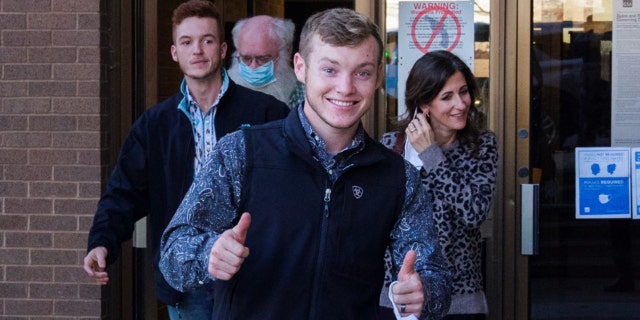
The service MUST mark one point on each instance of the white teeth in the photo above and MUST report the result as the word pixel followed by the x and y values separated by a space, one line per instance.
pixel 342 103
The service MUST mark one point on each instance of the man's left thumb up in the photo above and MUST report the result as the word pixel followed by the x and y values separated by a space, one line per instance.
pixel 408 266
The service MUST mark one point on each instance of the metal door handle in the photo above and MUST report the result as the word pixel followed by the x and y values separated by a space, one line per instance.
pixel 529 209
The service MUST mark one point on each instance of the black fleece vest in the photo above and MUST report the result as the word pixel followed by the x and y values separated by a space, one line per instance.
pixel 316 248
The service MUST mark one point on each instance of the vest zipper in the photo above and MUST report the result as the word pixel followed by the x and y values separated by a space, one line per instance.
pixel 327 199
pixel 321 255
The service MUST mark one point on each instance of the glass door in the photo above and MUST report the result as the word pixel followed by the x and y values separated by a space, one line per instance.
pixel 584 269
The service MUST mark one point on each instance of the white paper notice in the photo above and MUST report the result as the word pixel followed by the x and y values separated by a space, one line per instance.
pixel 625 95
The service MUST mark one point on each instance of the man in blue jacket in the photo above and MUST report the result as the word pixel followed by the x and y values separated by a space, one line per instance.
pixel 291 219
pixel 168 145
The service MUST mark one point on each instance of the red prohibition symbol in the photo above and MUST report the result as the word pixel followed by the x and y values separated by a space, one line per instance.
pixel 446 13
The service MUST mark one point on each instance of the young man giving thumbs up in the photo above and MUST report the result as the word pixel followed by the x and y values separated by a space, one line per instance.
pixel 291 219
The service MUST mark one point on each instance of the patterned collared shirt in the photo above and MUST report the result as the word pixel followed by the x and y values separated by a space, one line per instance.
pixel 333 164
pixel 203 124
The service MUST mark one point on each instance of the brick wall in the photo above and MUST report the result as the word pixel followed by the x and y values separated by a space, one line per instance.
pixel 50 156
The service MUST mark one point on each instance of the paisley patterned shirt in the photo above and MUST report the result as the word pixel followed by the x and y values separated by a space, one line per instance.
pixel 202 124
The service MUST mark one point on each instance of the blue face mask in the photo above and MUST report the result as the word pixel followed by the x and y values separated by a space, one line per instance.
pixel 258 77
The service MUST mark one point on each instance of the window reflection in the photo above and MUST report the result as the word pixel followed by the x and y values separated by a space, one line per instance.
pixel 581 262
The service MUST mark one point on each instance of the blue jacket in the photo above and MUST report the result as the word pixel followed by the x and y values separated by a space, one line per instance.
pixel 155 169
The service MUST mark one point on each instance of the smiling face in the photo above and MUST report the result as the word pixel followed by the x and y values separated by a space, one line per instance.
pixel 450 107
pixel 340 82
pixel 198 48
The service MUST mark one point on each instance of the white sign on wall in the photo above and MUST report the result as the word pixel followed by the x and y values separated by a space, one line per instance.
pixel 425 26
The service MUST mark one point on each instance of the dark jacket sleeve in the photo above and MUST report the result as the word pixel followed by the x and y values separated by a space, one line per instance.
pixel 123 201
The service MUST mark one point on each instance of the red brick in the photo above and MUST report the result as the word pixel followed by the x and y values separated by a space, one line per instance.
pixel 88 88
pixel 53 291
pixel 13 156
pixel 76 308
pixel 27 205
pixel 26 6
pixel 13 89
pixel 72 274
pixel 76 173
pixel 14 222
pixel 25 105
pixel 76 139
pixel 13 123
pixel 52 123
pixel 29 274
pixel 87 190
pixel 89 157
pixel 52 88
pixel 76 5
pixel 89 291
pixel 53 223
pixel 51 20
pixel 28 307
pixel 13 189
pixel 81 38
pixel 27 139
pixel 69 240
pixel 53 257
pixel 63 291
pixel 28 173
pixel 76 106
pixel 89 21
pixel 88 123
pixel 14 256
pixel 13 55
pixel 28 72
pixel 24 38
pixel 51 55
pixel 53 189
pixel 13 290
pixel 29 240
pixel 52 156
pixel 13 21
pixel 74 206
pixel 76 71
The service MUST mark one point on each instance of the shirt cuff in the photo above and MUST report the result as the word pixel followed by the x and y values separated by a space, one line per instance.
pixel 395 308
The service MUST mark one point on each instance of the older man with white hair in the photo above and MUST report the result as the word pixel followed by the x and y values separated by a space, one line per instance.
pixel 262 60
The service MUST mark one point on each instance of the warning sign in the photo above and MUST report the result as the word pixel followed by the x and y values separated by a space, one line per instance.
pixel 436 26
pixel 432 25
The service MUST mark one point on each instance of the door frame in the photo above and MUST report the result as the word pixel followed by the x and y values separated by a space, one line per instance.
pixel 507 270
pixel 515 114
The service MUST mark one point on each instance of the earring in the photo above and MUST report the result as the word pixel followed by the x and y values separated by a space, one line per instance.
pixel 428 115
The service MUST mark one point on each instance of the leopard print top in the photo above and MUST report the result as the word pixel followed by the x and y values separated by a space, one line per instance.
pixel 461 188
